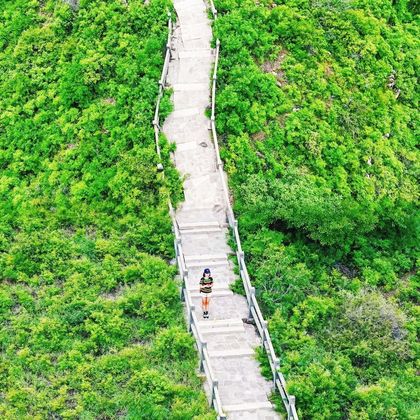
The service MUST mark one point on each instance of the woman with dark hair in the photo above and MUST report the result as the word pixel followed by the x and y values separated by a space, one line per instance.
pixel 206 284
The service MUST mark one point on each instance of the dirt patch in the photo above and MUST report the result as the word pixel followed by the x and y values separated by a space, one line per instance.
pixel 328 70
pixel 409 274
pixel 260 136
pixel 329 102
pixel 114 294
pixel 281 119
pixel 109 101
pixel 274 67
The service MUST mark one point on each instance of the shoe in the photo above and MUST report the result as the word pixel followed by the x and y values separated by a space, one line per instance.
pixel 206 314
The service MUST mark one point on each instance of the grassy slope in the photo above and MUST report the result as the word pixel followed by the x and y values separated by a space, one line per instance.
pixel 317 109
pixel 90 320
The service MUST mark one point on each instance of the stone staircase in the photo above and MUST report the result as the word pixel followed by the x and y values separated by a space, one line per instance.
pixel 231 343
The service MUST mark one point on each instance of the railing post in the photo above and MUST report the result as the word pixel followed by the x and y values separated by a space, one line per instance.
pixel 291 409
pixel 251 303
pixel 189 320
pixel 240 256
pixel 203 347
pixel 214 385
pixel 183 287
pixel 264 329
pixel 276 363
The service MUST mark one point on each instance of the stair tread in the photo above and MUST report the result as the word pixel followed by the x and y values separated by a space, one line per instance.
pixel 201 264
pixel 232 353
pixel 192 225
pixel 221 330
pixel 247 406
pixel 201 257
pixel 216 293
pixel 204 230
pixel 220 322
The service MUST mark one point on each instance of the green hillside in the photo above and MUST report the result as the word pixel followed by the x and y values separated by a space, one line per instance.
pixel 317 112
pixel 91 324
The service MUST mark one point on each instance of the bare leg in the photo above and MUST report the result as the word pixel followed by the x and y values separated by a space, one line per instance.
pixel 207 303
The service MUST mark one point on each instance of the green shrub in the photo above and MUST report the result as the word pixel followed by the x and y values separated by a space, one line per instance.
pixel 85 234
pixel 317 118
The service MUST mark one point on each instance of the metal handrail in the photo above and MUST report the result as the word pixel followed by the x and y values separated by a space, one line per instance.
pixel 254 309
pixel 192 322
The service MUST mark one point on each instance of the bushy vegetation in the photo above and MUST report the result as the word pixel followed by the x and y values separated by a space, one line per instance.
pixel 91 324
pixel 316 111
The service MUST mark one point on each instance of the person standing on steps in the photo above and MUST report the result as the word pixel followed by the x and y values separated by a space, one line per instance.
pixel 206 284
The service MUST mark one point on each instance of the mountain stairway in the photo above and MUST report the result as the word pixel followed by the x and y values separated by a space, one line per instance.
pixel 231 343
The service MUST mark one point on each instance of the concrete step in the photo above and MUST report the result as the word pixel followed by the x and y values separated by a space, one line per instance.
pixel 190 87
pixel 222 330
pixel 201 231
pixel 212 264
pixel 192 286
pixel 221 274
pixel 189 4
pixel 184 99
pixel 245 352
pixel 186 112
pixel 202 261
pixel 228 322
pixel 217 271
pixel 197 208
pixel 196 43
pixel 215 293
pixel 196 53
pixel 260 414
pixel 184 226
pixel 247 406
pixel 205 257
pixel 211 214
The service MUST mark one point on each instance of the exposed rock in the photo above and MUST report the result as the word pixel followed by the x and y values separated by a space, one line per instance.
pixel 74 4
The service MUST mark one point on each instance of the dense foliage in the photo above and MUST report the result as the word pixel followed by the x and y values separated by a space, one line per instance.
pixel 317 108
pixel 91 324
